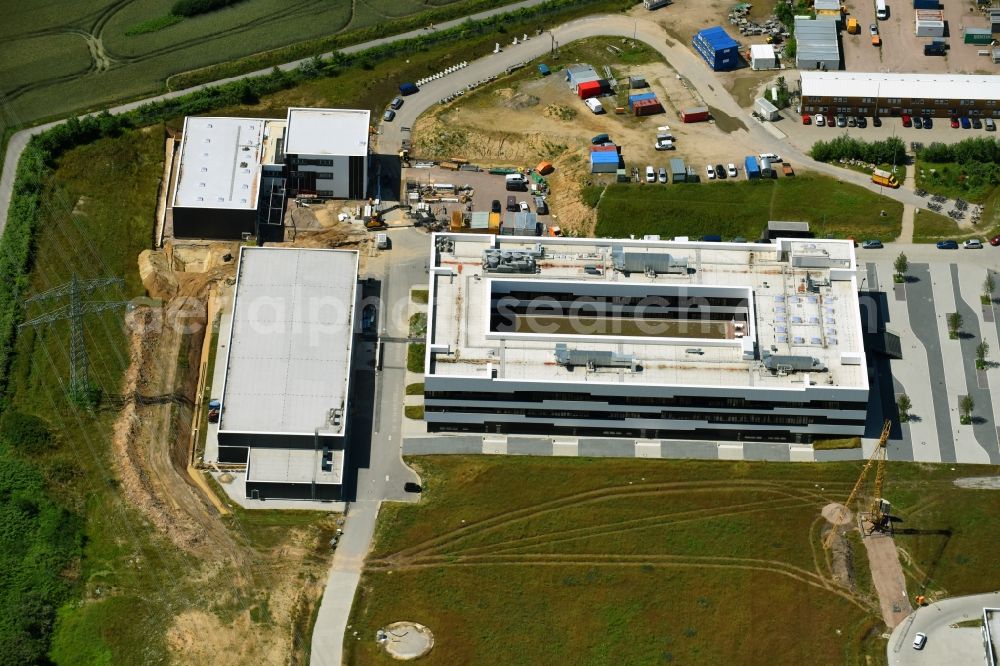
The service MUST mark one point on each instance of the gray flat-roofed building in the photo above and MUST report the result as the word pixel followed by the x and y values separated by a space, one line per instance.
pixel 288 368
pixel 313 474
pixel 817 44
pixel 326 151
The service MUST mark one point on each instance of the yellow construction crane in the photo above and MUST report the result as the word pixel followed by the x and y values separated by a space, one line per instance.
pixel 879 513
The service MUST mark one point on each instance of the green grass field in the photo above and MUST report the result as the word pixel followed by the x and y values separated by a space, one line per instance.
pixel 733 209
pixel 517 560
pixel 76 55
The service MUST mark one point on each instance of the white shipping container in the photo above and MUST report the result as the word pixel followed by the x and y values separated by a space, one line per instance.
pixel 929 23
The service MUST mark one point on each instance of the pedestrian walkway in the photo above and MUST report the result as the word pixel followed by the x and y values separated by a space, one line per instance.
pixel 909 210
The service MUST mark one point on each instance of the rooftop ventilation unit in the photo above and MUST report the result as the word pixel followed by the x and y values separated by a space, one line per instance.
pixel 571 358
pixel 783 364
pixel 506 261
pixel 647 262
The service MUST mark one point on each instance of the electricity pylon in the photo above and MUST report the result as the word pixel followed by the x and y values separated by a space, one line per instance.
pixel 75 311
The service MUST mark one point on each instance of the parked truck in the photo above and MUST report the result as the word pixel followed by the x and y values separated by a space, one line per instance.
pixel 751 168
pixel 884 178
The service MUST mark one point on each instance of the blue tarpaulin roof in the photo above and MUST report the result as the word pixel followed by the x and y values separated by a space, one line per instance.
pixel 718 38
pixel 604 157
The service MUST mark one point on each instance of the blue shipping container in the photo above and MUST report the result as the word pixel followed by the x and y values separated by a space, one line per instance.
pixel 717 48
pixel 638 96
pixel 751 168
pixel 926 4
pixel 543 69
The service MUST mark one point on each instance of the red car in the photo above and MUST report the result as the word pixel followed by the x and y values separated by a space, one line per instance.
pixel 907 122
pixel 995 241
pixel 806 119
pixel 954 122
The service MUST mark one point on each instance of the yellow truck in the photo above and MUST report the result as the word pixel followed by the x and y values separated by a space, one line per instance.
pixel 852 26
pixel 884 178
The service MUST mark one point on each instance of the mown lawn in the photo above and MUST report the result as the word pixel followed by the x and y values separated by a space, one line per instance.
pixel 538 560
pixel 743 208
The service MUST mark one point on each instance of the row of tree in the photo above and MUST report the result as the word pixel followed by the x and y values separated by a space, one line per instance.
pixel 844 147
pixel 967 151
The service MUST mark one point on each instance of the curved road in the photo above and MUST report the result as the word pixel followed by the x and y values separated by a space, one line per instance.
pixel 945 644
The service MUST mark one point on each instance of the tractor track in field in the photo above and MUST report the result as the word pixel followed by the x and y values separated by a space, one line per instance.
pixel 634 524
pixel 588 497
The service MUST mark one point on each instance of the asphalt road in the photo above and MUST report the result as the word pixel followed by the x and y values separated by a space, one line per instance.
pixel 945 645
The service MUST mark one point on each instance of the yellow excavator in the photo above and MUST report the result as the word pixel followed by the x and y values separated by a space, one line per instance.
pixel 878 514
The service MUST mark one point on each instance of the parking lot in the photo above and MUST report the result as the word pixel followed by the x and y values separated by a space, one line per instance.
pixel 486 188
pixel 903 51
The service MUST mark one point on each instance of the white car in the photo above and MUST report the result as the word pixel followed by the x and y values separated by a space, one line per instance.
pixel 710 172
pixel 819 119
pixel 919 641
pixel 731 170
pixel 973 244
pixel 650 175
pixel 523 205
pixel 665 144
pixel 770 156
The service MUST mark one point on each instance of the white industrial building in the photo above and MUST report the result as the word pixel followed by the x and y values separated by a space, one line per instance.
pixel 645 339
pixel 287 378
pixel 766 109
pixel 817 45
pixel 762 56
pixel 929 22
pixel 233 175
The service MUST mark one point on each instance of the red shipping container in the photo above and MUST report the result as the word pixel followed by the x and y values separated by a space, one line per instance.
pixel 647 107
pixel 694 115
pixel 608 147
pixel 588 89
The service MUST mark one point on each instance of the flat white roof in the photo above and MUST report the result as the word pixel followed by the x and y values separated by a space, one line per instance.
pixel 289 353
pixel 784 316
pixel 294 466
pixel 762 51
pixel 327 131
pixel 903 86
pixel 219 163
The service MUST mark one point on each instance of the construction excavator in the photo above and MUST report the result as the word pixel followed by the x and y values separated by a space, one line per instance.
pixel 877 518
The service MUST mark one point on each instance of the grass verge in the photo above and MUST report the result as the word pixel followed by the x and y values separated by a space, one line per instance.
pixel 419 296
pixel 415 357
pixel 730 209
pixel 415 412
pixel 845 443
pixel 416 388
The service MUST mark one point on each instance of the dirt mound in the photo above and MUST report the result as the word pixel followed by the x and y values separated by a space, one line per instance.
pixel 837 514
pixel 339 235
pixel 559 112
pixel 520 101
pixel 157 276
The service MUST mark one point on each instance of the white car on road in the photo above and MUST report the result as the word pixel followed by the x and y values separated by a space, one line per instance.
pixel 919 641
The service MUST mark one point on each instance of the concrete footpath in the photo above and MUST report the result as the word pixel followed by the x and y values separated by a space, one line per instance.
pixel 342 584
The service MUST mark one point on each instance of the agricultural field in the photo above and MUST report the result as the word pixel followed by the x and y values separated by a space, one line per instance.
pixel 62 57
pixel 740 209
pixel 512 560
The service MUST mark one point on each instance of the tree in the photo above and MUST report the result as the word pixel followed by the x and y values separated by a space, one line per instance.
pixel 954 325
pixel 988 286
pixel 902 264
pixel 965 407
pixel 904 405
pixel 982 351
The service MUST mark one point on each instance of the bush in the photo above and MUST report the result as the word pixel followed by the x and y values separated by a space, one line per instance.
pixel 888 151
pixel 25 432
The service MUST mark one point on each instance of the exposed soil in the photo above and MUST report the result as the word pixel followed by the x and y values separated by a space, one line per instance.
pixel 887 574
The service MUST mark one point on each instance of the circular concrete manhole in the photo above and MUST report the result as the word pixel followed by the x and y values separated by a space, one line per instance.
pixel 406 640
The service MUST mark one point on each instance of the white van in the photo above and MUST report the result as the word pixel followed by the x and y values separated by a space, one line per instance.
pixel 516 182
pixel 594 105
pixel 881 11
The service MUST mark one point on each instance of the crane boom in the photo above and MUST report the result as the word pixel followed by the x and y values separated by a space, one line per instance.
pixel 877 455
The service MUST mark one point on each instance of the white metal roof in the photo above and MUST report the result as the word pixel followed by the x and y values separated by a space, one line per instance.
pixel 290 346
pixel 219 163
pixel 762 51
pixel 294 466
pixel 327 132
pixel 816 39
pixel 783 316
pixel 827 5
pixel 903 86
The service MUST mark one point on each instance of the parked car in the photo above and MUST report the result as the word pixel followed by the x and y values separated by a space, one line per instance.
pixel 841 120
pixel 918 122
pixel 977 123
pixel 806 119
pixel 663 175
pixel 862 122
pixel 368 318
pixel 966 123
pixel 876 121
pixel 852 121
pixel 388 115
pixel 541 206
pixel 650 175
pixel 396 102
pixel 710 172
pixel 907 121
pixel 919 641
pixel 995 241
pixel 411 487
pixel 731 170
pixel 820 120
pixel 928 122
pixel 973 244
pixel 873 29
pixel 496 206
pixel 947 245
pixel 665 144
pixel 524 206
pixel 600 139
pixel 720 172
pixel 871 245
pixel 990 125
